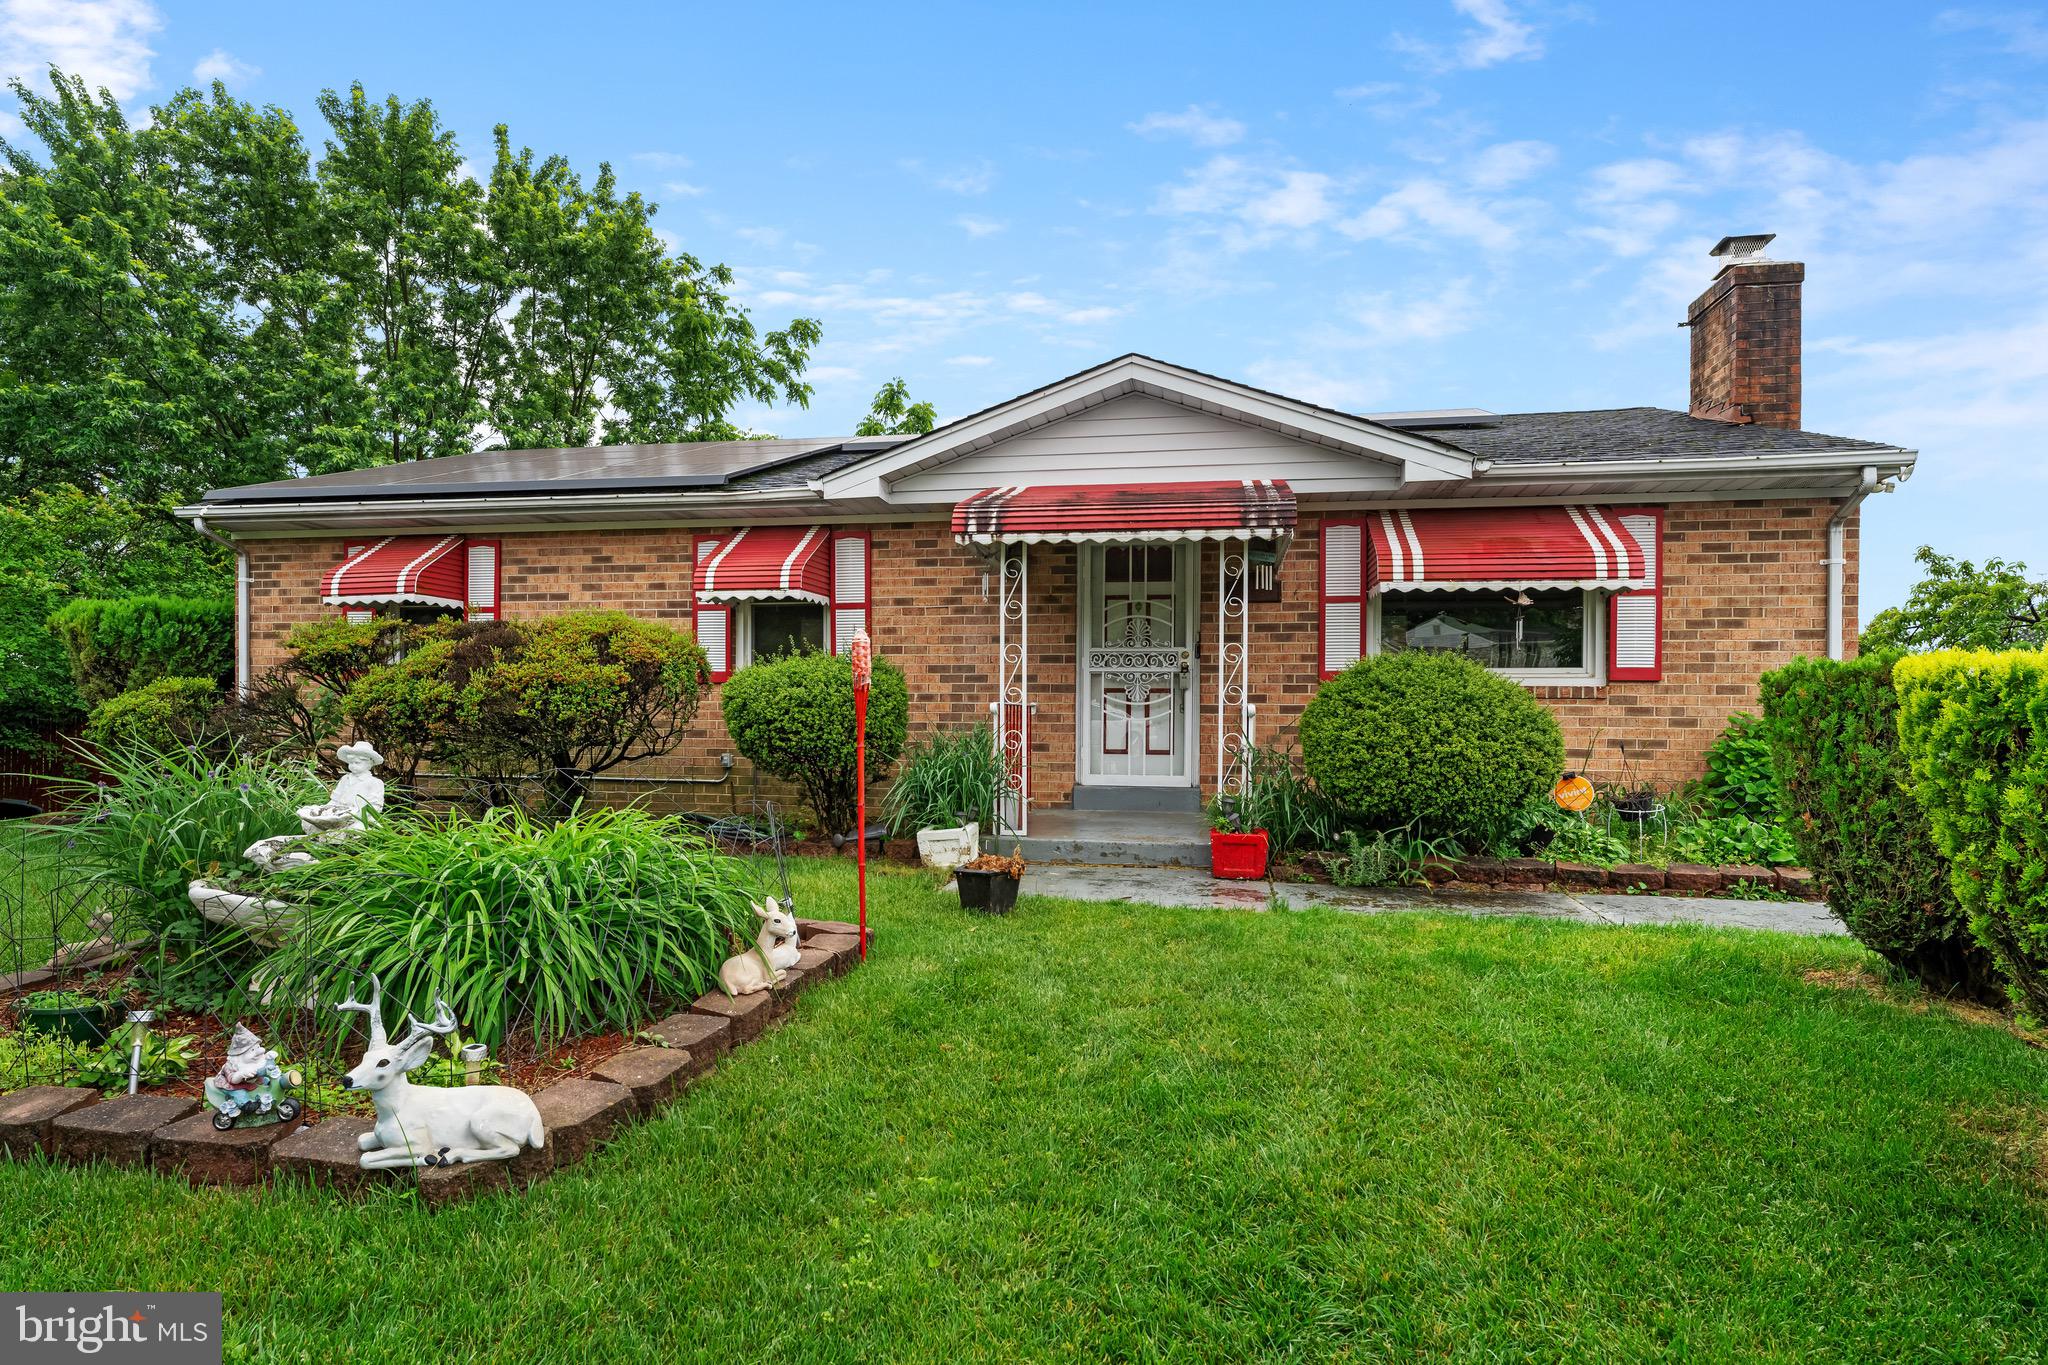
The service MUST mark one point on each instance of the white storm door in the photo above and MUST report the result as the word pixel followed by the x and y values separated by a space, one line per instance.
pixel 1137 666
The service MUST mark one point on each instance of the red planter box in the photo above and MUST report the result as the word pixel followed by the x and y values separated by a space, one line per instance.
pixel 1237 857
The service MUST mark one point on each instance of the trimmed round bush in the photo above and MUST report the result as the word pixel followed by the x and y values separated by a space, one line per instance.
pixel 793 716
pixel 1430 739
pixel 161 715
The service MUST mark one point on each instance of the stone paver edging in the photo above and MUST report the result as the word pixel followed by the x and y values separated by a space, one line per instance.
pixel 172 1134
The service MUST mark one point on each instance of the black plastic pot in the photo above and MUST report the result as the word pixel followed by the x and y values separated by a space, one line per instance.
pixel 85 1024
pixel 992 893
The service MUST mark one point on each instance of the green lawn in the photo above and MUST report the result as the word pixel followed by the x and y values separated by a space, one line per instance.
pixel 1110 1131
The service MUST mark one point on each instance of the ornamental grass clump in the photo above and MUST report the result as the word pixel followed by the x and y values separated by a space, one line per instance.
pixel 594 922
pixel 1973 725
pixel 945 781
pixel 1432 741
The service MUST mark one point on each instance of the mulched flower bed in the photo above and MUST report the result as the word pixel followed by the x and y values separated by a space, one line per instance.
pixel 587 1090
pixel 1486 874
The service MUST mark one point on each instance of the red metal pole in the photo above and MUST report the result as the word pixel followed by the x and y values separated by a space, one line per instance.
pixel 863 676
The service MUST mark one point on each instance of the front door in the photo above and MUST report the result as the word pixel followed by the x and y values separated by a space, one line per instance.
pixel 1137 641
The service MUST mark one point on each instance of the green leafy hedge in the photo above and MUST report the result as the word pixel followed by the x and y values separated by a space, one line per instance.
pixel 162 714
pixel 1834 744
pixel 1431 740
pixel 36 691
pixel 1974 728
pixel 118 643
pixel 793 716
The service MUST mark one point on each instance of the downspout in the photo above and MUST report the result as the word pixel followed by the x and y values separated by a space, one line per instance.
pixel 243 668
pixel 1838 555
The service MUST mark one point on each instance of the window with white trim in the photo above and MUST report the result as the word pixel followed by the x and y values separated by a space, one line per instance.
pixel 768 629
pixel 1534 635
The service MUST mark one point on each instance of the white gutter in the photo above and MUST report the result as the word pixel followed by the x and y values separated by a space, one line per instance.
pixel 379 510
pixel 243 668
pixel 1838 554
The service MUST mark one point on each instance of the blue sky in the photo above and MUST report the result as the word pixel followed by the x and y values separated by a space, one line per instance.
pixel 1430 204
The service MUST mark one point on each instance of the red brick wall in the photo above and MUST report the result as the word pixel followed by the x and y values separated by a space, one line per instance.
pixel 1744 591
pixel 1745 345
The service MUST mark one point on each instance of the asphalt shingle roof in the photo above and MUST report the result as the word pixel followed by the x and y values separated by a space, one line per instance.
pixel 1604 434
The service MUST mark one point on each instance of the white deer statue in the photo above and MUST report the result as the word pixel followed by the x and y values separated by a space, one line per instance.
pixel 769 960
pixel 432 1125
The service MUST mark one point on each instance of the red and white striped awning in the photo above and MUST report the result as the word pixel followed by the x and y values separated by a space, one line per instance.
pixel 769 563
pixel 428 570
pixel 1070 514
pixel 1442 549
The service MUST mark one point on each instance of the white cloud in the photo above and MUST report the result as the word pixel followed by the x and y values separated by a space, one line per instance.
pixel 105 42
pixel 1390 99
pixel 665 161
pixel 1431 204
pixel 1194 123
pixel 2021 32
pixel 976 177
pixel 681 189
pixel 1267 199
pixel 221 65
pixel 975 226
pixel 1386 319
pixel 971 361
pixel 1495 35
pixel 1311 383
pixel 1509 163
pixel 770 237
pixel 1033 304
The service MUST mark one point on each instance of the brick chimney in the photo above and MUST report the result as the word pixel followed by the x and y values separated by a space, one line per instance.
pixel 1745 337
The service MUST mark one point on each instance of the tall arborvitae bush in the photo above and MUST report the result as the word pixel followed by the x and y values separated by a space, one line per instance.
pixel 1832 728
pixel 1974 728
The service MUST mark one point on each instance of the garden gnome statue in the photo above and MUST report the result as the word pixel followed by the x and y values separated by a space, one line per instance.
pixel 358 789
pixel 249 1083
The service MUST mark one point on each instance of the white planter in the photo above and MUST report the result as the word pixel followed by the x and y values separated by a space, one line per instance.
pixel 266 921
pixel 946 849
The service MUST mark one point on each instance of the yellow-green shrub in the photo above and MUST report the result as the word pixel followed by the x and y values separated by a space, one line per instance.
pixel 1974 727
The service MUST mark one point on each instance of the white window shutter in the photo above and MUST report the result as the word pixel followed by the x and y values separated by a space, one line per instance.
pixel 1343 595
pixel 712 621
pixel 483 580
pixel 850 592
pixel 1636 619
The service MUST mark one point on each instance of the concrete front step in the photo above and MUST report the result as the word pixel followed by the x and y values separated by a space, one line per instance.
pixel 1175 799
pixel 1120 838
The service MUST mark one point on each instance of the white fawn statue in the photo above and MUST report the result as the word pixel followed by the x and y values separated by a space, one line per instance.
pixel 432 1125
pixel 773 954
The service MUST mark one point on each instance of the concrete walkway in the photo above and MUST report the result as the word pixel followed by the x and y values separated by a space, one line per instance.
pixel 1180 886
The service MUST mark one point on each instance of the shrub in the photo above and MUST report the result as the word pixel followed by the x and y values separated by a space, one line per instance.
pixel 117 644
pixel 1729 840
pixel 295 708
pixel 562 697
pixel 1833 733
pixel 566 929
pixel 164 714
pixel 1432 739
pixel 1739 779
pixel 1974 728
pixel 793 716
pixel 944 777
pixel 36 691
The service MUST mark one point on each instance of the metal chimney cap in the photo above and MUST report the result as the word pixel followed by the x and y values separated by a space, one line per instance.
pixel 1744 248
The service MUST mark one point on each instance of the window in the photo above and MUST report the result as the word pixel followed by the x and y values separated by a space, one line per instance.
pixel 1534 634
pixel 767 629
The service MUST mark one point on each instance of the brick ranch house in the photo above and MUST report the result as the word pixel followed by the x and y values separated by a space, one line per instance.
pixel 1150 567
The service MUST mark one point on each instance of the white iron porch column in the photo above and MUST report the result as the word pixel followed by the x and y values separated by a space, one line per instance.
pixel 1011 710
pixel 1234 710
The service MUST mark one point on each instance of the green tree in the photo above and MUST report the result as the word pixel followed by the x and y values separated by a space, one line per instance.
pixel 893 414
pixel 1959 605
pixel 201 301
